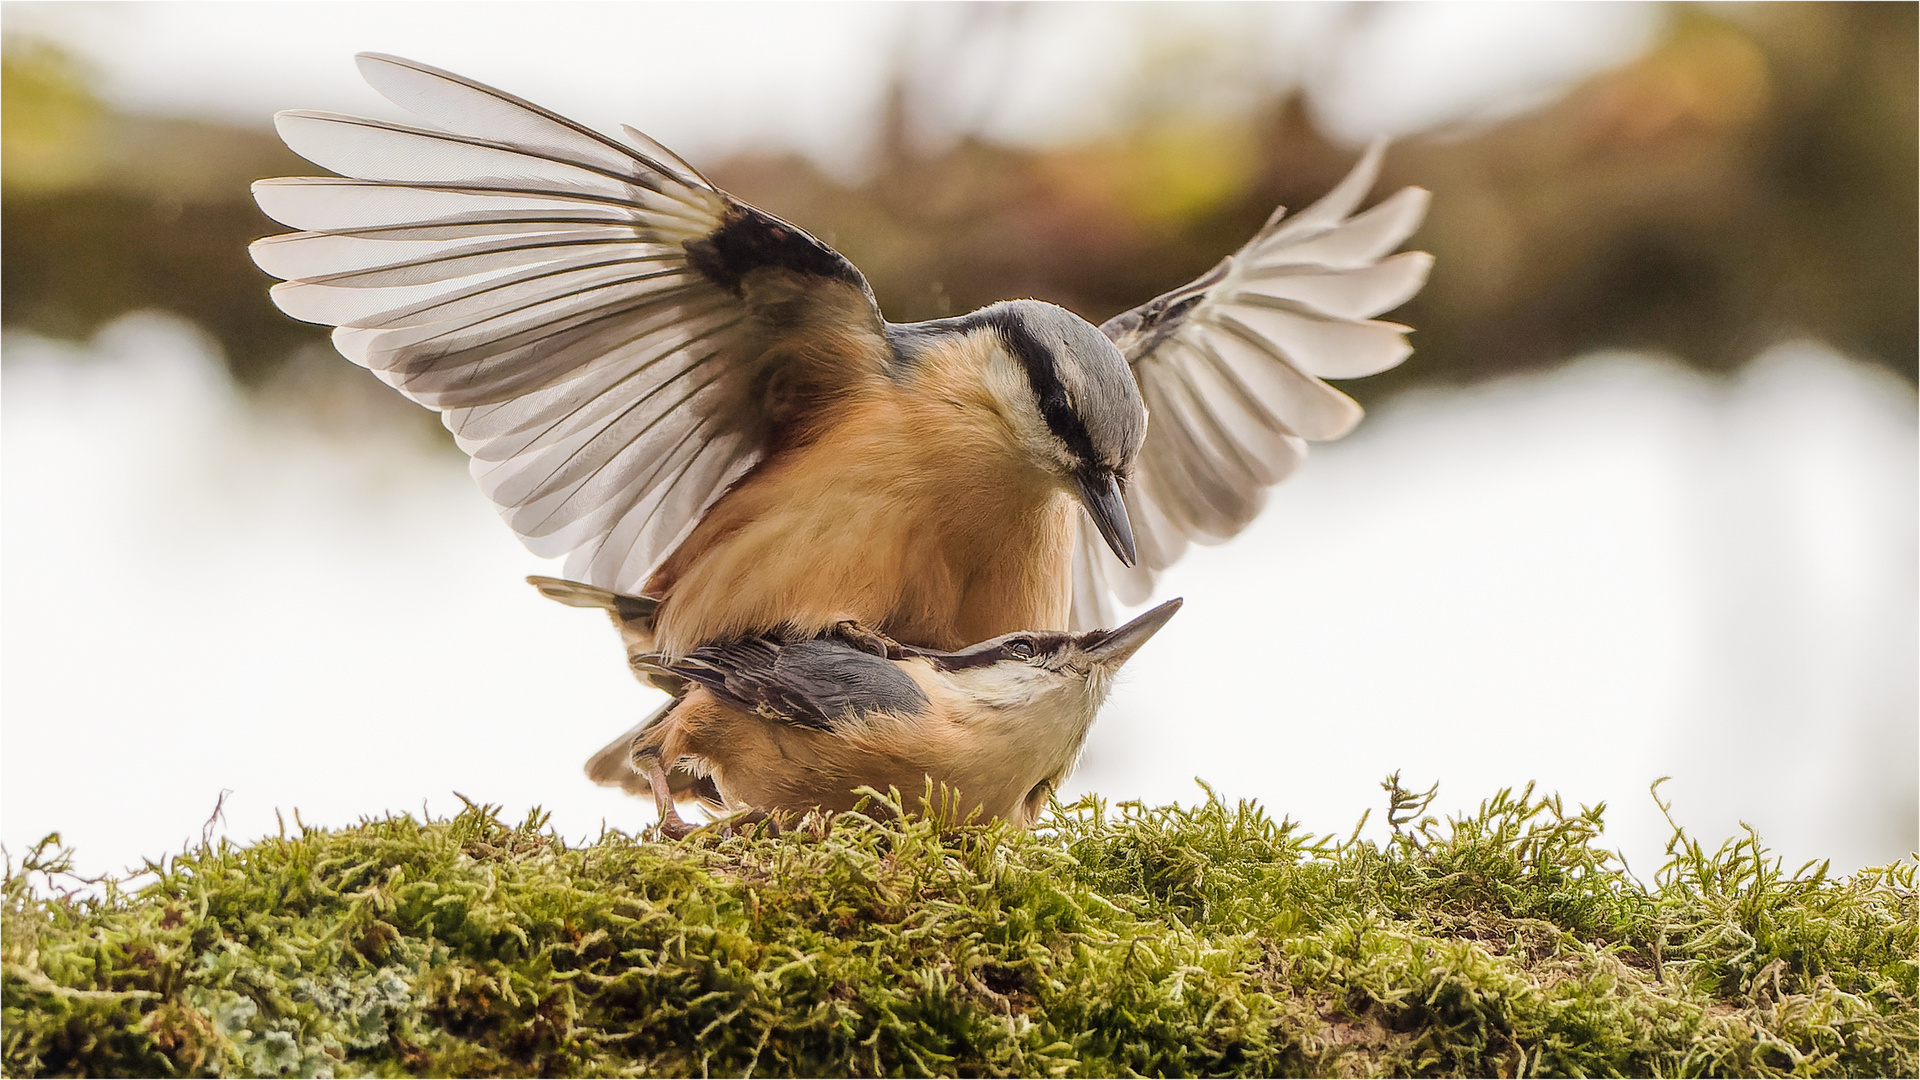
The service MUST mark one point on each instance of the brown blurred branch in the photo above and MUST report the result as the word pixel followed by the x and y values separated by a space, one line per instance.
pixel 1744 181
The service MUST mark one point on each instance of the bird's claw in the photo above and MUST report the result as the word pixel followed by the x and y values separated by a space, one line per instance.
pixel 868 640
pixel 676 828
pixel 739 823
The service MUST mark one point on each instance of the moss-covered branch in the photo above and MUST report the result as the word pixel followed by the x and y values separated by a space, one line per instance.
pixel 1115 941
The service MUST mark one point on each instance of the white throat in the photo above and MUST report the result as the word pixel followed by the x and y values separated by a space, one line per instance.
pixel 1038 719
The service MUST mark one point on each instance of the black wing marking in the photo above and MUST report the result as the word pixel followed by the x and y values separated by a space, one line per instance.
pixel 1230 366
pixel 598 324
pixel 750 239
pixel 820 683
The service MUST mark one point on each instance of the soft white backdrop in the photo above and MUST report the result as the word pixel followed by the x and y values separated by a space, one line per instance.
pixel 1590 578
pixel 708 79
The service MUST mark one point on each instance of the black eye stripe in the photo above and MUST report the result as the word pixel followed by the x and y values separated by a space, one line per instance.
pixel 1055 406
pixel 988 655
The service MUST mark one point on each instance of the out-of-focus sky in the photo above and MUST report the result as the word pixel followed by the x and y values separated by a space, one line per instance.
pixel 709 79
pixel 1591 577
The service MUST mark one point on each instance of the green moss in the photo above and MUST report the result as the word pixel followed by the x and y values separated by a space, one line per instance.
pixel 1115 941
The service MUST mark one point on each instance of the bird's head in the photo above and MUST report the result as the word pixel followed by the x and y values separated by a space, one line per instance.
pixel 1073 402
pixel 1058 674
pixel 1062 395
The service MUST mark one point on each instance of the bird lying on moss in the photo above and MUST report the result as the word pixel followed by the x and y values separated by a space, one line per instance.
pixel 776 725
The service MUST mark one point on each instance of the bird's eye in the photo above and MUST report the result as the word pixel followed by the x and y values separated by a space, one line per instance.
pixel 1021 647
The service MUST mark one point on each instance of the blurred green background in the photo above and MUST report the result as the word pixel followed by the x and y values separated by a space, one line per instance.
pixel 1748 178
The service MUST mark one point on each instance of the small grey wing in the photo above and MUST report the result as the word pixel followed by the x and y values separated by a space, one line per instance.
pixel 837 679
pixel 820 683
pixel 1231 367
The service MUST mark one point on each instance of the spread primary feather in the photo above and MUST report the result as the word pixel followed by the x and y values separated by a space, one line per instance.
pixel 688 397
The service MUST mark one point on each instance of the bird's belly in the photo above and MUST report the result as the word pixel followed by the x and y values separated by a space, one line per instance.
pixel 923 762
pixel 937 572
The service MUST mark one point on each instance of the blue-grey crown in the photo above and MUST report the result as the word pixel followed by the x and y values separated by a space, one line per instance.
pixel 1085 389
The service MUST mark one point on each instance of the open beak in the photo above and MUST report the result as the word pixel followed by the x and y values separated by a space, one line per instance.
pixel 1100 494
pixel 1111 648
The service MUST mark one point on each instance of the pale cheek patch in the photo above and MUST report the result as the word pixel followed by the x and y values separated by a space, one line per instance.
pixel 1006 686
pixel 1012 393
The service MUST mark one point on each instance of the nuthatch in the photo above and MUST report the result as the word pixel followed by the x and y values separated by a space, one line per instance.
pixel 697 401
pixel 633 617
pixel 777 725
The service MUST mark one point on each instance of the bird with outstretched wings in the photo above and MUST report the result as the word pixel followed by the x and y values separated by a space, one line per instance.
pixel 616 342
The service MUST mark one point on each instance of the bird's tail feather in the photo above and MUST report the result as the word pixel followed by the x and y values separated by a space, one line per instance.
pixel 613 767
pixel 576 594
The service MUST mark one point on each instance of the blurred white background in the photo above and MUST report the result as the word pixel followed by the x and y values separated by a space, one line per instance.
pixel 707 79
pixel 1590 578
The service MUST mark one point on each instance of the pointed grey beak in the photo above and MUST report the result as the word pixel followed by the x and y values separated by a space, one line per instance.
pixel 1100 494
pixel 1111 648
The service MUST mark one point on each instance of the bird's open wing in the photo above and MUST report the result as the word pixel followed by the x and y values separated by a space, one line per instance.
pixel 612 339
pixel 820 683
pixel 1230 366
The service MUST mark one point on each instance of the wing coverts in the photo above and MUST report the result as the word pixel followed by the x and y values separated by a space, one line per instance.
pixel 819 683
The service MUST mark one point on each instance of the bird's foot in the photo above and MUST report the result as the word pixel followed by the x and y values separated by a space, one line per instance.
pixel 739 824
pixel 868 640
pixel 676 827
pixel 671 824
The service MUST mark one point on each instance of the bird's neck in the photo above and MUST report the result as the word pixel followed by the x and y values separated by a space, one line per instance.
pixel 1037 722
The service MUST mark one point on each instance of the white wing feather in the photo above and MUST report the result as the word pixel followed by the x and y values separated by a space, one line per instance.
pixel 526 276
pixel 1230 367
